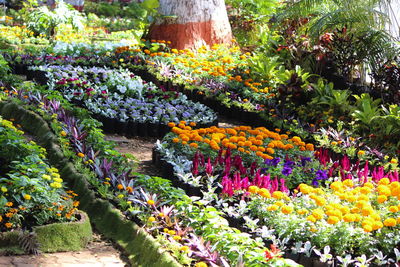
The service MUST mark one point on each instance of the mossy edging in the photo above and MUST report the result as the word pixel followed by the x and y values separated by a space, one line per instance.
pixel 142 249
pixel 55 237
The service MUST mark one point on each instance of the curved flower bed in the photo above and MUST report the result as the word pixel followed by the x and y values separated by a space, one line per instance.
pixel 340 221
pixel 123 97
pixel 174 219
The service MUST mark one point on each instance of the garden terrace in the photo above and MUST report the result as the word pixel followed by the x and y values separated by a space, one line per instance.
pixel 310 172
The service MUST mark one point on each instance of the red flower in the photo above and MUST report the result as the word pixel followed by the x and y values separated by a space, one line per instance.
pixel 274 252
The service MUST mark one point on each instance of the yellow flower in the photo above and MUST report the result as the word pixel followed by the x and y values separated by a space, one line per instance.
pixel 367 228
pixel 381 198
pixel 177 238
pixel 287 209
pixel 272 207
pixel 27 197
pixel 63 133
pixel 253 189
pixel 311 218
pixel 390 222
pixel 81 155
pixel 201 264
pixel 333 220
pixel 278 195
pixel 184 249
pixel 4 189
pixel 120 196
pixel 150 202
pixel 151 219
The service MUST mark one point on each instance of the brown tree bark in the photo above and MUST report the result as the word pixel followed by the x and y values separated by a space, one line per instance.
pixel 192 23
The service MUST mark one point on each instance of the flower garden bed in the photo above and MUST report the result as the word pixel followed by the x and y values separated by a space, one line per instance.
pixel 117 190
pixel 37 211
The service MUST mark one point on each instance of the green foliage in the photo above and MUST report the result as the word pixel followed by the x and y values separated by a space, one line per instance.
pixel 65 236
pixel 44 21
pixel 367 109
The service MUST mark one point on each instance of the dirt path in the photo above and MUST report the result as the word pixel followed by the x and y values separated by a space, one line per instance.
pixel 99 253
pixel 141 148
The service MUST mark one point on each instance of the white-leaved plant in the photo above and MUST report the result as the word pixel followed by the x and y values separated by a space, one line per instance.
pixel 325 256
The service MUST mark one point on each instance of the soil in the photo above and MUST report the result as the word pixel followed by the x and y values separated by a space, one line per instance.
pixel 99 252
pixel 141 148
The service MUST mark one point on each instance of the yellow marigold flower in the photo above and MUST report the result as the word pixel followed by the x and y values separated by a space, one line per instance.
pixel 337 185
pixel 367 228
pixel 320 201
pixel 278 195
pixel 177 237
pixel 369 184
pixel 333 220
pixel 311 218
pixel 120 186
pixel 151 219
pixel 318 214
pixel 384 190
pixel 366 211
pixel 365 190
pixel 381 198
pixel 349 218
pixel 272 207
pixel 27 197
pixel 253 189
pixel 81 155
pixel 286 209
pixel 393 208
pixel 264 193
pixel 305 189
pixel 63 133
pixel 8 225
pixel 390 222
pixel 184 249
pixel 393 161
pixel 302 211
pixel 377 225
pixel 201 264
pixel 384 181
pixel 348 183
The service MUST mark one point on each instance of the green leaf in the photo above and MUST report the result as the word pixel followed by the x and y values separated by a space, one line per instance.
pixel 150 4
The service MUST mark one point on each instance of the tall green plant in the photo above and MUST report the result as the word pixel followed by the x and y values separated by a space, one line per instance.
pixel 44 21
pixel 361 19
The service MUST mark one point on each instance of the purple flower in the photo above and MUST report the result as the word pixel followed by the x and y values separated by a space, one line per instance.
pixel 319 175
pixel 272 162
pixel 304 161
pixel 287 170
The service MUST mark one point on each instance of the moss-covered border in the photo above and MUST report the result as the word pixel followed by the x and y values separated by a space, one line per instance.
pixel 142 249
pixel 55 237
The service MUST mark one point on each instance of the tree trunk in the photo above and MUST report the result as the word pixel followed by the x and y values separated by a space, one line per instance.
pixel 192 23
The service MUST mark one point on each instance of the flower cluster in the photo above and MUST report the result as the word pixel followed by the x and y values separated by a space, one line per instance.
pixel 362 213
pixel 258 143
pixel 31 192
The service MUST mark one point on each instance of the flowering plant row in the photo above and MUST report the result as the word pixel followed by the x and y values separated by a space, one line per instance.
pixel 123 96
pixel 32 192
pixel 167 213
